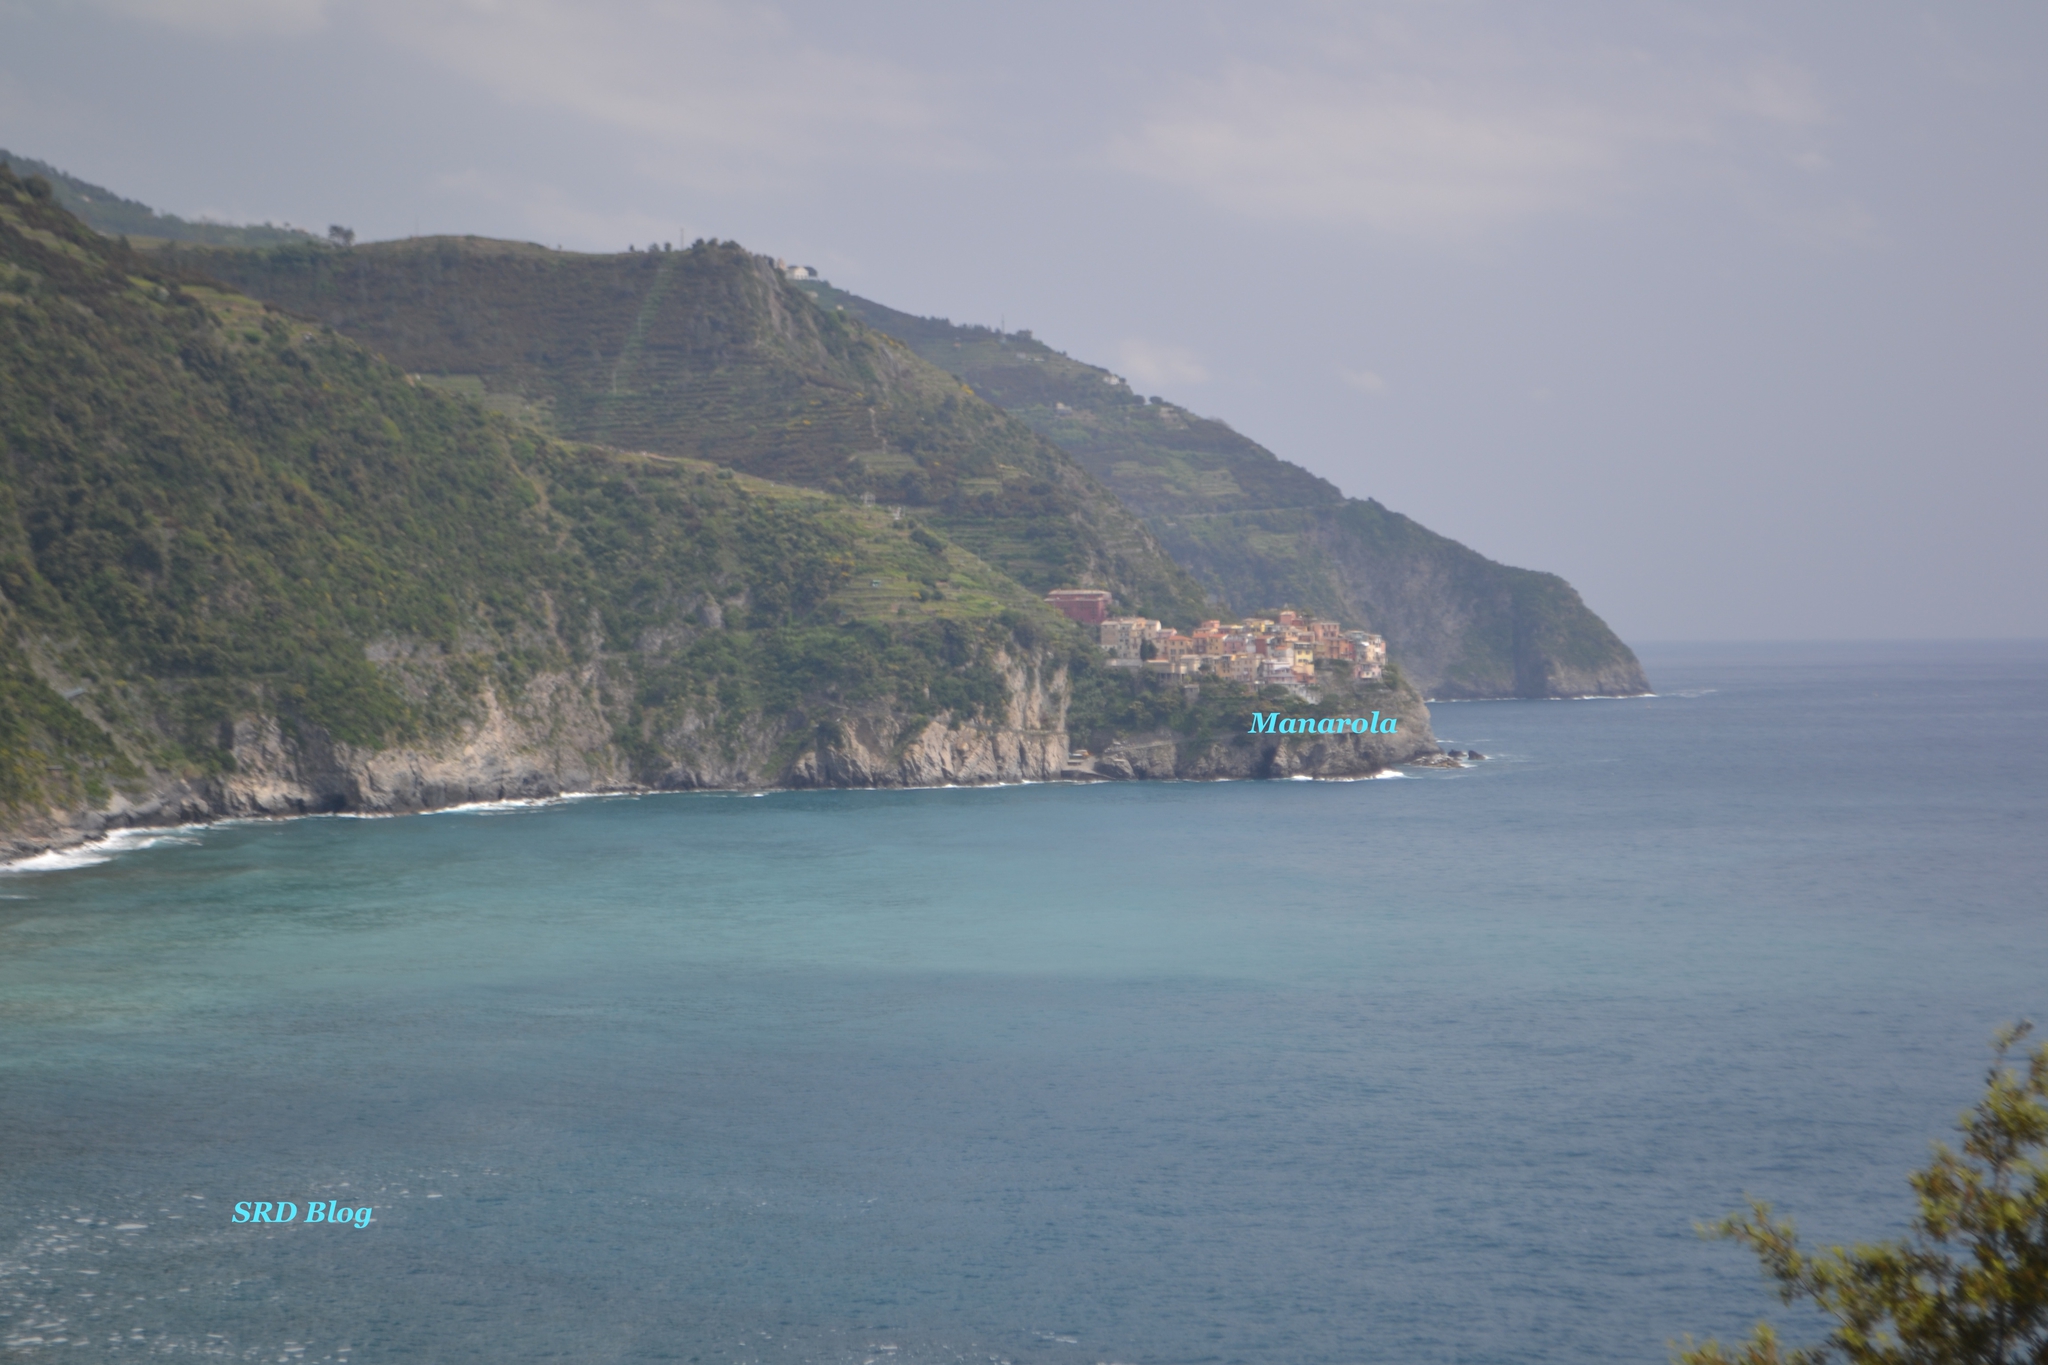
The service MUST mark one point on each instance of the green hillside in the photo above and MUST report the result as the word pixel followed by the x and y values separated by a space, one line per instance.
pixel 103 210
pixel 249 567
pixel 1260 532
pixel 710 353
pixel 214 517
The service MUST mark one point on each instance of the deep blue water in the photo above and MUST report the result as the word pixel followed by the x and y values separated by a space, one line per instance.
pixel 1437 1069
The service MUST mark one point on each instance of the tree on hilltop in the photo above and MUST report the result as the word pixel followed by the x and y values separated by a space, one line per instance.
pixel 1968 1285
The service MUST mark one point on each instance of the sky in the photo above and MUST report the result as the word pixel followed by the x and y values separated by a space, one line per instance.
pixel 1734 314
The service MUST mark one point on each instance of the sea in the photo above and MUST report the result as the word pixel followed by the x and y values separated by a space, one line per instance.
pixel 1443 1067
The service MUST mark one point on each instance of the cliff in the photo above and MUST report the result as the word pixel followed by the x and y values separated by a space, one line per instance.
pixel 556 738
pixel 1244 756
pixel 247 567
pixel 1139 726
pixel 1260 532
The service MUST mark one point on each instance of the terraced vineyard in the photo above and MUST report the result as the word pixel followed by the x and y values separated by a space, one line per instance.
pixel 1260 532
pixel 710 353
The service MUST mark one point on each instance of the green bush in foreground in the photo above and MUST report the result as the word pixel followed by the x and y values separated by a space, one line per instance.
pixel 1967 1286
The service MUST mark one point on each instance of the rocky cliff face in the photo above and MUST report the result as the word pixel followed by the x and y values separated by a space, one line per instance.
pixel 560 736
pixel 1466 627
pixel 248 568
pixel 1259 756
pixel 554 740
pixel 880 751
pixel 877 745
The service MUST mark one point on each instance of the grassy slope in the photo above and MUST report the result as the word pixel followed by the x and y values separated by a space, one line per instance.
pixel 710 353
pixel 1261 532
pixel 210 511
pixel 107 212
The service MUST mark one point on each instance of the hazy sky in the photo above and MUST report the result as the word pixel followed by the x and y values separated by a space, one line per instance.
pixel 1734 314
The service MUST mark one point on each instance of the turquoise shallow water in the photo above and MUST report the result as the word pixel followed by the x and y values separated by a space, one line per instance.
pixel 1441 1068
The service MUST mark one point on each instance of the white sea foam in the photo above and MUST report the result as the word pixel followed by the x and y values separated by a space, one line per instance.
pixel 110 846
pixel 1310 777
pixel 729 795
pixel 102 850
pixel 59 859
pixel 1365 777
pixel 513 804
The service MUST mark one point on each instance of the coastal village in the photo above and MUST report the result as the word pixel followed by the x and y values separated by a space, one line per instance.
pixel 1283 650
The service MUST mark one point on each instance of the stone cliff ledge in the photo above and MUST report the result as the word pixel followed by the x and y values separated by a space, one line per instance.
pixel 557 739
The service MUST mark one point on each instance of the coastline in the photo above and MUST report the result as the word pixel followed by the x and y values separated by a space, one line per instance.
pixel 557 742
pixel 143 834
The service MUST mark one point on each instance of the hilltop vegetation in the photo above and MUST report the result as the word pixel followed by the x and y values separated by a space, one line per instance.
pixel 103 210
pixel 710 353
pixel 1033 461
pixel 218 522
pixel 246 566
pixel 1258 531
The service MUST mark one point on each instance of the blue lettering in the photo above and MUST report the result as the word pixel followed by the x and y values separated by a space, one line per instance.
pixel 316 1212
pixel 242 1212
pixel 282 1216
pixel 363 1217
pixel 1273 723
pixel 262 1212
